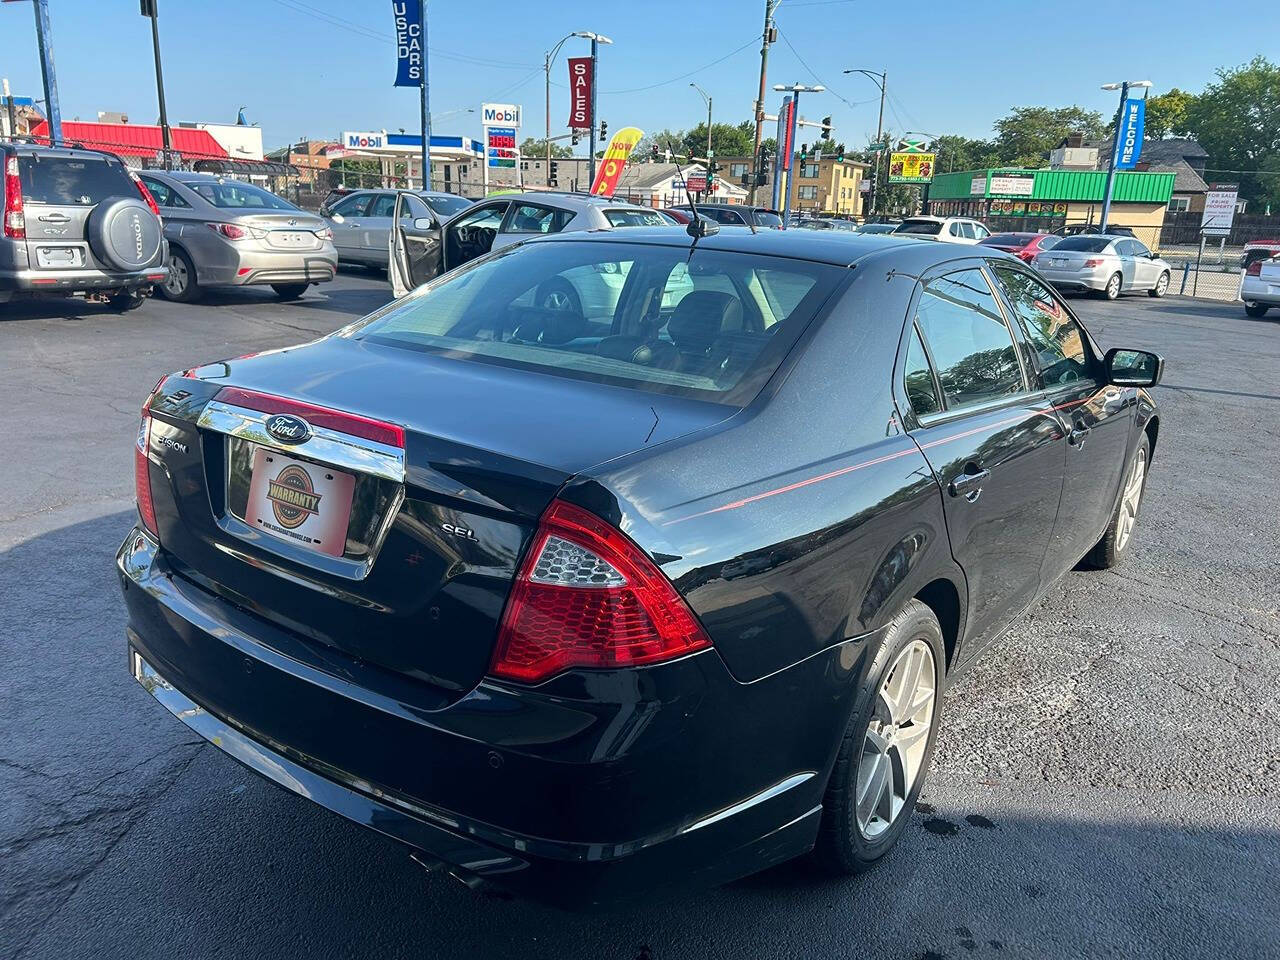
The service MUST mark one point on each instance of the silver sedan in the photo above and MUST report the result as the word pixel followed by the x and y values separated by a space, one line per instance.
pixel 1106 264
pixel 227 233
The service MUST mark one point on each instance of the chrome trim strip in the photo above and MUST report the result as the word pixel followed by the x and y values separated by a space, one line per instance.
pixel 328 446
pixel 767 794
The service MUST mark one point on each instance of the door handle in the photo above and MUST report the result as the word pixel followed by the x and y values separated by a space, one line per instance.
pixel 55 218
pixel 1077 436
pixel 969 483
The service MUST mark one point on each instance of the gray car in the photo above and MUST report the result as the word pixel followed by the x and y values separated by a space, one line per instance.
pixel 422 246
pixel 76 221
pixel 361 221
pixel 1106 264
pixel 227 233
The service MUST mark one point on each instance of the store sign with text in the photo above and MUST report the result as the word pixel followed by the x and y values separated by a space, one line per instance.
pixel 1219 209
pixel 911 167
pixel 580 93
pixel 1129 148
pixel 409 47
pixel 1004 185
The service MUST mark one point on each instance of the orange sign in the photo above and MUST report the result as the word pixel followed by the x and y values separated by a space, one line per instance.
pixel 615 158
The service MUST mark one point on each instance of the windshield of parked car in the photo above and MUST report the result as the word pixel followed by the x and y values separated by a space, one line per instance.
pixel 715 325
pixel 232 194
pixel 929 228
pixel 1085 244
pixel 77 181
pixel 636 218
pixel 447 206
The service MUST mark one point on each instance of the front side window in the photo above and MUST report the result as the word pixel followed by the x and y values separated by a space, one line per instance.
pixel 486 217
pixel 527 218
pixel 714 326
pixel 353 206
pixel 412 208
pixel 971 345
pixel 384 205
pixel 1056 338
pixel 234 195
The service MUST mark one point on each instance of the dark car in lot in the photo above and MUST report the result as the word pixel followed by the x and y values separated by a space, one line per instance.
pixel 588 607
pixel 735 214
pixel 1024 246
pixel 77 221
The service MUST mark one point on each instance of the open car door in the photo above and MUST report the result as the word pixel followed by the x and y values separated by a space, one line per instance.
pixel 414 248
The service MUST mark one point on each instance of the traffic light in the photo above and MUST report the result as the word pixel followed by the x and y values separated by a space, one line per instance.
pixel 575 136
pixel 604 129
pixel 826 128
pixel 804 152
pixel 656 153
pixel 554 177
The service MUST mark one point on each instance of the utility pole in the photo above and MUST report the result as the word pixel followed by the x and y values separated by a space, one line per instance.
pixel 150 10
pixel 769 35
pixel 13 116
pixel 882 81
pixel 1115 147
pixel 47 74
pixel 424 103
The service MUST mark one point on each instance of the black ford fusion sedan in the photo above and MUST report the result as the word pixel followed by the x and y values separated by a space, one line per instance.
pixel 661 587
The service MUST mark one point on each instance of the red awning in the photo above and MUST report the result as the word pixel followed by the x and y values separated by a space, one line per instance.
pixel 135 139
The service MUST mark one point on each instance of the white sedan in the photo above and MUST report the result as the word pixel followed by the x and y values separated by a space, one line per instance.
pixel 1106 264
pixel 1261 289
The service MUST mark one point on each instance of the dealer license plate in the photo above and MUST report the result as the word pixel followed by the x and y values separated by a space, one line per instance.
pixel 304 503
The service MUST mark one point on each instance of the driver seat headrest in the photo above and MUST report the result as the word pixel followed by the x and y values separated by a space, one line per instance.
pixel 701 316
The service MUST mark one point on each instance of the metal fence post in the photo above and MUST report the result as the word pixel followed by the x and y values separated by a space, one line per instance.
pixel 1186 273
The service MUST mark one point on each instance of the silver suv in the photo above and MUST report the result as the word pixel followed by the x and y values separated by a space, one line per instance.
pixel 77 221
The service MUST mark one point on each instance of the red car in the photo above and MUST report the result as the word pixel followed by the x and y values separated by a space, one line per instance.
pixel 1024 246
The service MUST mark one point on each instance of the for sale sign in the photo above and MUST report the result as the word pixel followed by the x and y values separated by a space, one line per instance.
pixel 1219 209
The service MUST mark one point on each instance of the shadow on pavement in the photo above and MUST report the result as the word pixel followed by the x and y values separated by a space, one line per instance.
pixel 124 837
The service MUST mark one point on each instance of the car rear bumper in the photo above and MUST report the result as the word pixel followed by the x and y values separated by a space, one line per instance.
pixel 74 281
pixel 263 266
pixel 594 793
pixel 1076 279
pixel 1256 290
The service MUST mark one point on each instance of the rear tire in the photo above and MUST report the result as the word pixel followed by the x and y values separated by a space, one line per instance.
pixel 1256 309
pixel 886 748
pixel 127 300
pixel 1161 287
pixel 1115 543
pixel 1112 290
pixel 289 291
pixel 181 285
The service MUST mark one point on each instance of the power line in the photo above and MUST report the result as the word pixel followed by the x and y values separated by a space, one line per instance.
pixel 796 53
pixel 684 76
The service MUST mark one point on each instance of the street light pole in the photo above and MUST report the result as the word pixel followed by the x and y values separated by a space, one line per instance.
pixel 150 8
pixel 424 104
pixel 551 55
pixel 47 73
pixel 795 90
pixel 707 97
pixel 1115 145
pixel 881 80
pixel 596 39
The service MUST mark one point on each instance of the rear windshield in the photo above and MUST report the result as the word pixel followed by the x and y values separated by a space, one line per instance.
pixel 1008 239
pixel 232 195
pixel 715 325
pixel 767 218
pixel 75 181
pixel 1085 244
pixel 636 218
pixel 447 206
pixel 929 228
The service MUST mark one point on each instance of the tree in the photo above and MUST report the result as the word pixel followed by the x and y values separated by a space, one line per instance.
pixel 643 151
pixel 962 153
pixel 1167 114
pixel 538 148
pixel 1237 118
pixel 727 139
pixel 1026 135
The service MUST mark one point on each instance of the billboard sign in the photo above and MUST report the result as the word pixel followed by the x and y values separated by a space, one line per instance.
pixel 409 47
pixel 500 115
pixel 1219 209
pixel 1129 139
pixel 905 167
pixel 580 93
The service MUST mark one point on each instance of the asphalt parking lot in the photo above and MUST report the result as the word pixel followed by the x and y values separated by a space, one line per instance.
pixel 1107 782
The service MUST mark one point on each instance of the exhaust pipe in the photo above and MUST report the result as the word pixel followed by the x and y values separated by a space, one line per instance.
pixel 430 864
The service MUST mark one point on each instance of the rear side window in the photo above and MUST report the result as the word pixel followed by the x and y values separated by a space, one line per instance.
pixel 972 347
pixel 767 218
pixel 714 326
pixel 165 195
pixel 384 205
pixel 921 390
pixel 635 218
pixel 72 181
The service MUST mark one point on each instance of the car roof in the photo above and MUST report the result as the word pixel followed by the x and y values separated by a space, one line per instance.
pixel 28 148
pixel 838 248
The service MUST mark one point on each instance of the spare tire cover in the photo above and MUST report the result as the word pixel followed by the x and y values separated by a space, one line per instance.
pixel 124 233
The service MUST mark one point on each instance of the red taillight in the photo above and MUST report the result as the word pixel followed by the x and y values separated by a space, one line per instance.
pixel 1093 262
pixel 146 194
pixel 1026 255
pixel 229 230
pixel 142 466
pixel 1254 269
pixel 587 596
pixel 350 423
pixel 15 219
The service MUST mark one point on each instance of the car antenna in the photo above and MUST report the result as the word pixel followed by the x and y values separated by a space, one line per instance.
pixel 698 227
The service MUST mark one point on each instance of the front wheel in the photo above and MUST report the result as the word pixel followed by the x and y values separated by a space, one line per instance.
pixel 289 291
pixel 1256 309
pixel 886 747
pixel 1161 287
pixel 1112 290
pixel 1114 545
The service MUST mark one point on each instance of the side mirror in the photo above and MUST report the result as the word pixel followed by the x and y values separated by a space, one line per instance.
pixel 424 223
pixel 336 217
pixel 1134 368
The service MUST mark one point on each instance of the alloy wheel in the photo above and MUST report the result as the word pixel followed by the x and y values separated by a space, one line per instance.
pixel 1131 498
pixel 893 750
pixel 556 300
pixel 1162 284
pixel 1113 287
pixel 176 283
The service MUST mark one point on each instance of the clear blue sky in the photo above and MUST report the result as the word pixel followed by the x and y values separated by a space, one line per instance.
pixel 316 67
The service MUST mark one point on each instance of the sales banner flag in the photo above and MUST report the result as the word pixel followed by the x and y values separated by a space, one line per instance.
pixel 911 167
pixel 580 93
pixel 1129 145
pixel 410 53
pixel 615 158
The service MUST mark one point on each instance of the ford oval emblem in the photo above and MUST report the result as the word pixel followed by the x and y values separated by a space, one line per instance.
pixel 287 428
